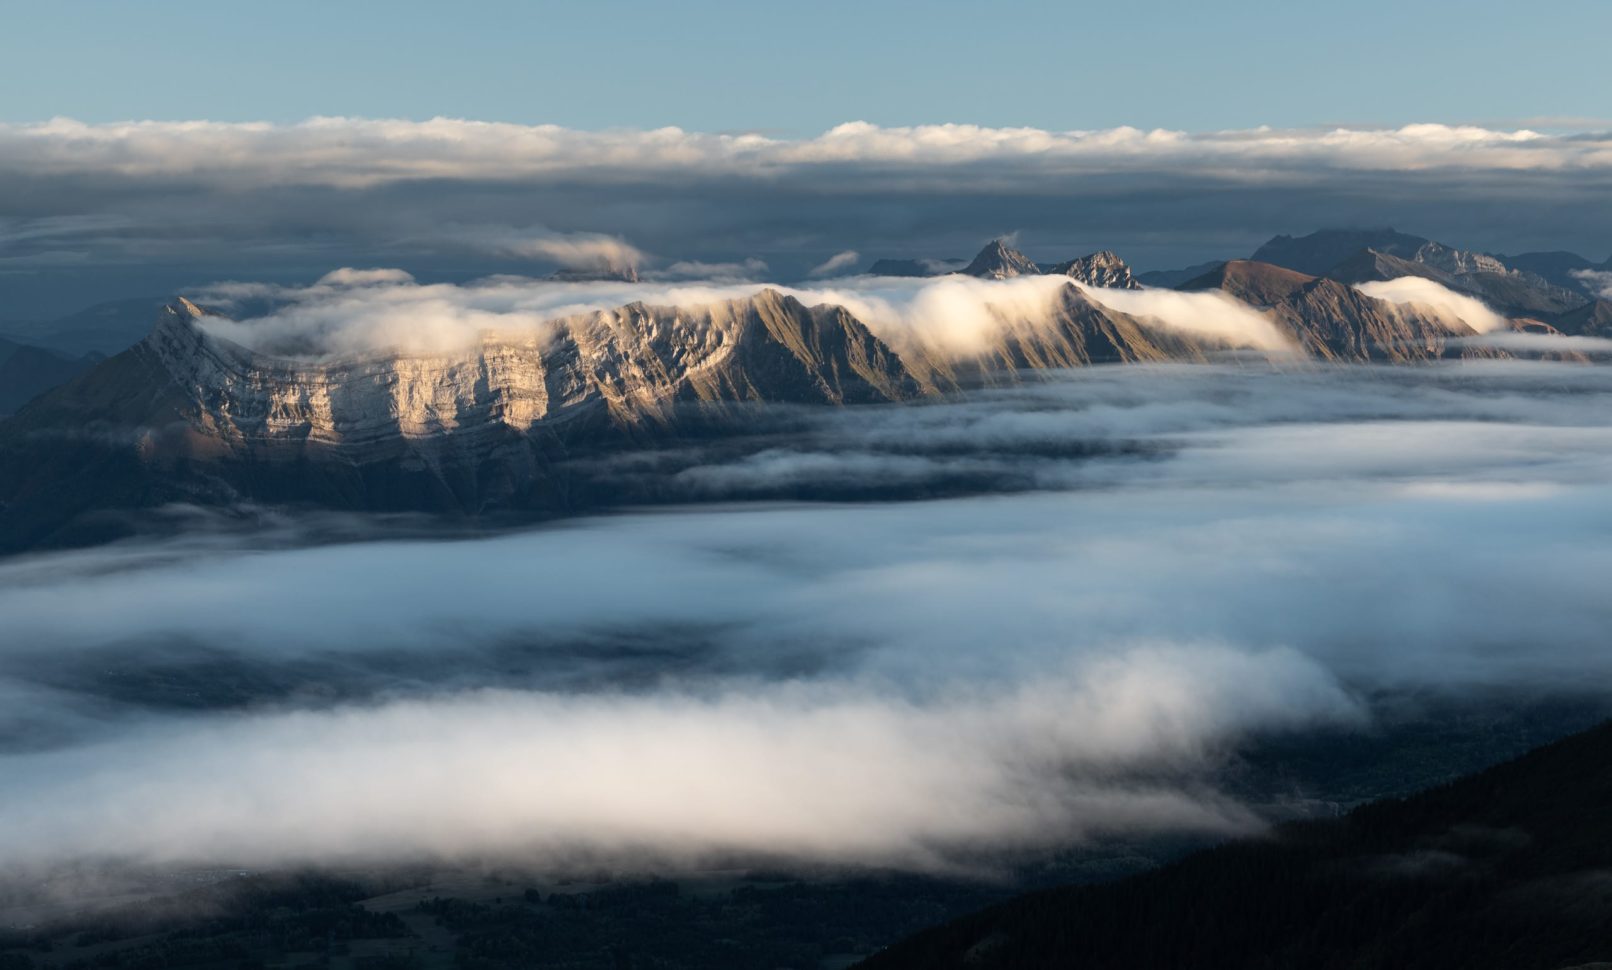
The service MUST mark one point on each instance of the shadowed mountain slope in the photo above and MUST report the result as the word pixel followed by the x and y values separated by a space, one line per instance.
pixel 27 371
pixel 1590 320
pixel 1509 869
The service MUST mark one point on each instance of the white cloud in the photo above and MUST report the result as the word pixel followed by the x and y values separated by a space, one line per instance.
pixel 823 772
pixel 1600 280
pixel 1457 310
pixel 1215 316
pixel 349 276
pixel 462 198
pixel 1525 344
pixel 356 151
pixel 691 269
pixel 588 251
pixel 835 263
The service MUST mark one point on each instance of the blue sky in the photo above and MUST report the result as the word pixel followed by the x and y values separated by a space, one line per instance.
pixel 799 68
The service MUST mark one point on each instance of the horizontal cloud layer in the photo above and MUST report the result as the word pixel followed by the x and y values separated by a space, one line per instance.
pixel 137 208
pixel 1191 558
pixel 356 151
pixel 818 772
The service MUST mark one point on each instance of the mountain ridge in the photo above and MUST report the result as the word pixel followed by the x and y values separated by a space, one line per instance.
pixel 188 416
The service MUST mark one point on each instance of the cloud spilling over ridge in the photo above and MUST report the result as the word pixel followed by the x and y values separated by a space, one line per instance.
pixel 1450 306
pixel 1209 555
pixel 1209 314
pixel 353 311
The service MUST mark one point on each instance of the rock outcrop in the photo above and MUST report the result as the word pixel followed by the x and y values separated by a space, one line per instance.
pixel 1104 269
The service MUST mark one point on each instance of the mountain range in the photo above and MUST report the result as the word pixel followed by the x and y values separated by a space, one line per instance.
pixel 188 416
pixel 1557 288
pixel 1368 255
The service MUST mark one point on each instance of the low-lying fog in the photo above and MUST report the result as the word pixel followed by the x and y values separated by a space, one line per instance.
pixel 1189 559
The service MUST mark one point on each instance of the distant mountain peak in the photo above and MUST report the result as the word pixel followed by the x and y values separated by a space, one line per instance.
pixel 999 261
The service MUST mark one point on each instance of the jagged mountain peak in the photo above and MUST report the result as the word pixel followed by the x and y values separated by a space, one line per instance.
pixel 1103 269
pixel 999 261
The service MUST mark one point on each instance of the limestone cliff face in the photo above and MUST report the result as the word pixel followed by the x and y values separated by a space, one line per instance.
pixel 641 369
pixel 240 396
pixel 186 416
pixel 631 365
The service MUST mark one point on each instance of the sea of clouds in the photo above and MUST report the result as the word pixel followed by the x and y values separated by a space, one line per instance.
pixel 1180 562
